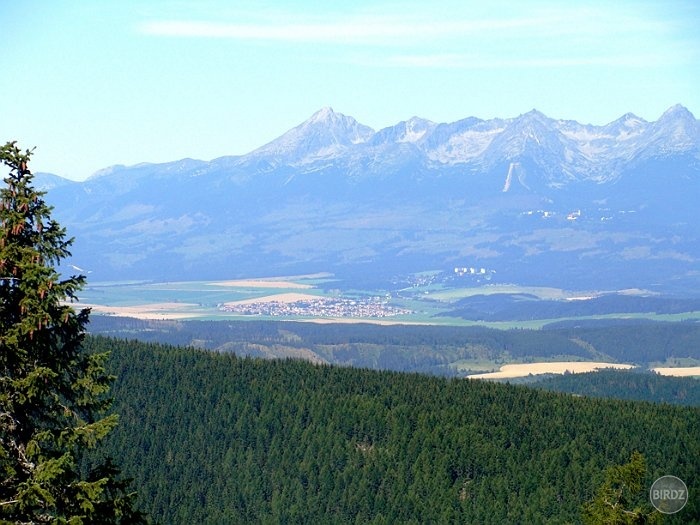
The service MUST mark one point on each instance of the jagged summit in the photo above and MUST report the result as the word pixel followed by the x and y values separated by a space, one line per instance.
pixel 628 120
pixel 412 130
pixel 628 117
pixel 325 114
pixel 561 150
pixel 325 134
pixel 626 127
pixel 677 111
pixel 532 115
pixel 676 131
pixel 328 133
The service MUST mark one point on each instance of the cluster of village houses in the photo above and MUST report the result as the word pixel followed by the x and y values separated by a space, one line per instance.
pixel 321 307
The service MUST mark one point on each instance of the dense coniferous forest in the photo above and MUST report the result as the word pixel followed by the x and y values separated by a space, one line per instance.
pixel 427 349
pixel 216 438
pixel 625 384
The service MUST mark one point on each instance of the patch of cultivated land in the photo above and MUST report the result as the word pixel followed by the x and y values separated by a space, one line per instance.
pixel 211 299
pixel 261 283
pixel 558 367
pixel 686 371
pixel 276 298
pixel 168 311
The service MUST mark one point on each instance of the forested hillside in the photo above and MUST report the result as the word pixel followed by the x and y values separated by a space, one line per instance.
pixel 215 438
pixel 625 384
pixel 429 349
pixel 509 307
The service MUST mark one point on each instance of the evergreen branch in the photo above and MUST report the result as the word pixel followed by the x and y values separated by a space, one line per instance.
pixel 52 386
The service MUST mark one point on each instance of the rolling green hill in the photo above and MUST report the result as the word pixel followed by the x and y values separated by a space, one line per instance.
pixel 215 438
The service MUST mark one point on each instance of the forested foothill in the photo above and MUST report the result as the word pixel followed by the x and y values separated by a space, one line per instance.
pixel 211 437
pixel 522 307
pixel 419 348
pixel 625 384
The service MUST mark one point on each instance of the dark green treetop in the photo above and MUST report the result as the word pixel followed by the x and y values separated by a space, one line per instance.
pixel 622 498
pixel 53 394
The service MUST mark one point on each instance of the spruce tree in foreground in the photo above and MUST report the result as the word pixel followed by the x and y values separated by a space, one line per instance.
pixel 622 498
pixel 53 394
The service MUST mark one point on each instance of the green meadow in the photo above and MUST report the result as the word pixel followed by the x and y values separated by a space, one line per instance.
pixel 202 300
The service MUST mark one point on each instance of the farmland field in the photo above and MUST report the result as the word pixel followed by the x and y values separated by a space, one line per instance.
pixel 429 304
pixel 555 367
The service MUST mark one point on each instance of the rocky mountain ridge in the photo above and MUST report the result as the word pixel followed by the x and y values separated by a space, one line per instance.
pixel 566 149
pixel 537 200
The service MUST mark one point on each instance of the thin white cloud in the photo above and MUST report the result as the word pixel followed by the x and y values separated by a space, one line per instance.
pixel 457 61
pixel 414 25
pixel 357 30
pixel 548 38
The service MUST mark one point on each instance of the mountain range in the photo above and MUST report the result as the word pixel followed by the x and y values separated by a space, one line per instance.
pixel 531 199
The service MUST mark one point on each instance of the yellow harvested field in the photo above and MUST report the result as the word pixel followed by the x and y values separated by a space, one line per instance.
pixel 146 311
pixel 261 283
pixel 278 298
pixel 557 367
pixel 687 371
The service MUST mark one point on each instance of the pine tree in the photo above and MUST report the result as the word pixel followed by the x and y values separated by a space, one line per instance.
pixel 53 394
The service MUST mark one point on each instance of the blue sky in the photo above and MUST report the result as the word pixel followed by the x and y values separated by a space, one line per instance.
pixel 92 84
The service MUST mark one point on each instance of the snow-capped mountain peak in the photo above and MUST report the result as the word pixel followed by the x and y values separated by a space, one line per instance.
pixel 325 134
pixel 559 150
pixel 324 114
pixel 676 131
pixel 415 129
pixel 412 130
pixel 676 112
pixel 533 114
pixel 579 201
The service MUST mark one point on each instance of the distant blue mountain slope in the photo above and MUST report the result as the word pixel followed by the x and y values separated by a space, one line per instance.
pixel 536 200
